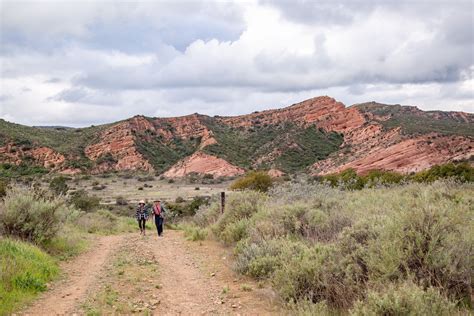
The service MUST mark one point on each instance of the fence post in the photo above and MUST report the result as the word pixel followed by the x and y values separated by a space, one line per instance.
pixel 222 202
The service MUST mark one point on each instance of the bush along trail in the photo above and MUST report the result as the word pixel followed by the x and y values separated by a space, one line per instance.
pixel 127 274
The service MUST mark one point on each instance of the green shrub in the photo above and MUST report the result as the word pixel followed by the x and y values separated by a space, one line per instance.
pixel 188 208
pixel 255 180
pixel 316 275
pixel 59 185
pixel 430 242
pixel 462 172
pixel 68 243
pixel 84 202
pixel 194 233
pixel 235 231
pixel 104 222
pixel 404 299
pixel 24 271
pixel 29 216
pixel 239 206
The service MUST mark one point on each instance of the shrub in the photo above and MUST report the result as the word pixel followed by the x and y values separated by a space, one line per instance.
pixel 255 180
pixel 84 202
pixel 30 216
pixel 120 200
pixel 235 231
pixel 207 215
pixel 431 242
pixel 462 172
pixel 239 206
pixel 316 275
pixel 24 271
pixel 194 233
pixel 187 208
pixel 261 259
pixel 3 188
pixel 68 243
pixel 146 178
pixel 58 185
pixel 404 299
pixel 104 222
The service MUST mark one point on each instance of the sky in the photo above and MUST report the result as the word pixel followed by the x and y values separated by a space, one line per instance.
pixel 78 63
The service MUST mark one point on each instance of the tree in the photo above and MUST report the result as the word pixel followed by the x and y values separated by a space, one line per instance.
pixel 254 180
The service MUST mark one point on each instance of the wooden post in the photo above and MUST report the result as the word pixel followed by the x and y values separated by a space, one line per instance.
pixel 222 202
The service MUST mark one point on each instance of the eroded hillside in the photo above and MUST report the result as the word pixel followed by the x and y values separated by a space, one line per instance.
pixel 319 135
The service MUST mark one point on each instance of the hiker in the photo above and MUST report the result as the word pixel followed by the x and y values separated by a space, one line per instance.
pixel 142 216
pixel 158 213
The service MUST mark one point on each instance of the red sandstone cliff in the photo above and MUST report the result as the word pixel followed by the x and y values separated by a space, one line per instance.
pixel 202 163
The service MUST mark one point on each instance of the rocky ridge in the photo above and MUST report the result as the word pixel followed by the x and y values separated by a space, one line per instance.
pixel 374 136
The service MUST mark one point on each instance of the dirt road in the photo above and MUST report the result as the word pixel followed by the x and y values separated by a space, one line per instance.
pixel 80 275
pixel 131 274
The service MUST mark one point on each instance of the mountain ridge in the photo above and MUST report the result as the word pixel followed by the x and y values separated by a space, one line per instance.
pixel 319 135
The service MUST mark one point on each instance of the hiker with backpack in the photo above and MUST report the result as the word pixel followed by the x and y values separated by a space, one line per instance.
pixel 158 213
pixel 142 216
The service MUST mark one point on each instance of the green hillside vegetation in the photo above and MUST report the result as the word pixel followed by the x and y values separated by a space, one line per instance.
pixel 67 141
pixel 399 250
pixel 8 170
pixel 64 140
pixel 419 122
pixel 296 147
pixel 162 155
pixel 349 179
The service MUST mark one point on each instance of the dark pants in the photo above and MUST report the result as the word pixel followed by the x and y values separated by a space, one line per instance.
pixel 141 224
pixel 159 224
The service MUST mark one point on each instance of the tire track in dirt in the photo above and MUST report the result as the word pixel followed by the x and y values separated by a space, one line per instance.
pixel 81 275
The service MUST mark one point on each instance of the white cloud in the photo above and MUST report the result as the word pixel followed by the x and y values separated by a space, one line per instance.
pixel 237 58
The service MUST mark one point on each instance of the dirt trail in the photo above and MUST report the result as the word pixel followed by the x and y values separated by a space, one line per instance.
pixel 162 276
pixel 81 276
pixel 197 280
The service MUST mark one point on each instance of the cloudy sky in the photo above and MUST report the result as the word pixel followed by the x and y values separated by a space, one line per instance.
pixel 78 63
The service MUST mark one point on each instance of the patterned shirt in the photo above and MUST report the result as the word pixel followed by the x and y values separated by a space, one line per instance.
pixel 141 213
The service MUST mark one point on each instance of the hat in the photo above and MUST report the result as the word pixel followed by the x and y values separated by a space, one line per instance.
pixel 157 200
pixel 141 202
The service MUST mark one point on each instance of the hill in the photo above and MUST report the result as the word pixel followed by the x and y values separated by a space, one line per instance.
pixel 319 135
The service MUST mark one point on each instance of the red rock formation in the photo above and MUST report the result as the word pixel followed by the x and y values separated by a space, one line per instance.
pixel 47 157
pixel 202 163
pixel 189 127
pixel 409 155
pixel 275 173
pixel 43 156
pixel 119 142
pixel 324 111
